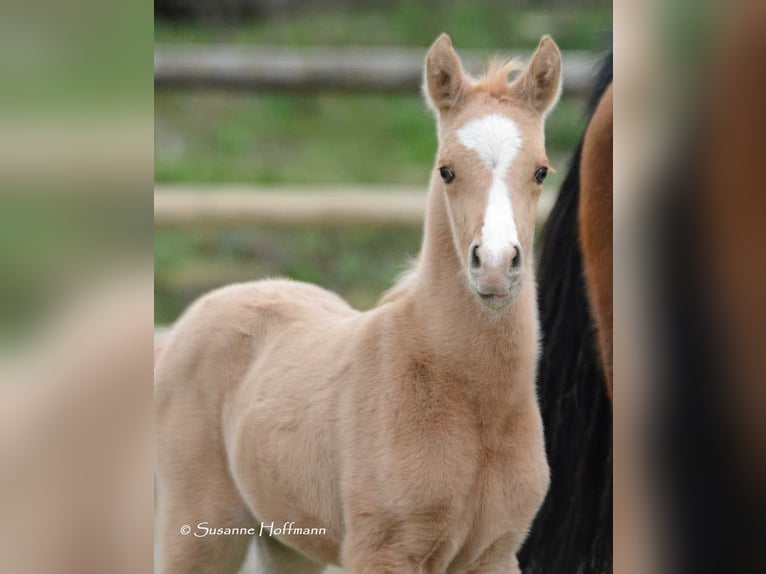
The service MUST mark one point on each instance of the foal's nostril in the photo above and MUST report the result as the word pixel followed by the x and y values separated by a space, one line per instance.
pixel 516 261
pixel 475 261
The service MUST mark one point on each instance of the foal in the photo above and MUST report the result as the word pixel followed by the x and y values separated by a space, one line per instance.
pixel 407 437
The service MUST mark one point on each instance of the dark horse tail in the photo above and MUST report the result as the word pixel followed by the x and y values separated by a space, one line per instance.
pixel 572 533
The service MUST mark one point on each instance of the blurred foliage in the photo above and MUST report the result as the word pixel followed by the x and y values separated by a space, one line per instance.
pixel 52 243
pixel 485 24
pixel 54 62
pixel 314 139
pixel 330 138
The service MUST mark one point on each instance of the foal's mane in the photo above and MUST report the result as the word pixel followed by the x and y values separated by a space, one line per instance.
pixel 495 78
pixel 403 281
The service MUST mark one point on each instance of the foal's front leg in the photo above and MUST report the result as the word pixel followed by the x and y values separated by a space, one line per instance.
pixel 412 546
pixel 498 558
pixel 381 562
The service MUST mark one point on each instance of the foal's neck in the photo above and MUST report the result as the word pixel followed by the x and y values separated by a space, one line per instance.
pixel 452 317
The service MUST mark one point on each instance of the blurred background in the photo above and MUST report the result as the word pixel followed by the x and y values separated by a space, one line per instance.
pixel 267 110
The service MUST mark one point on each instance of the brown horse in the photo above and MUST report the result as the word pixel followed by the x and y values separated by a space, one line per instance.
pixel 403 439
pixel 573 531
pixel 595 224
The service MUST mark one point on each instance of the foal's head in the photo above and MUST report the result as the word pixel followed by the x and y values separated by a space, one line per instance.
pixel 491 161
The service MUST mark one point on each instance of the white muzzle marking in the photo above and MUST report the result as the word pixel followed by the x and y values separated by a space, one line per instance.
pixel 496 139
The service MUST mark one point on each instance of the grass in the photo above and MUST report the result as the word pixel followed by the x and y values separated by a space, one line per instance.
pixel 318 139
pixel 485 24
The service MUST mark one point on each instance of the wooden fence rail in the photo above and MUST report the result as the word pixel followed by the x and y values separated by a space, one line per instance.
pixel 229 206
pixel 384 69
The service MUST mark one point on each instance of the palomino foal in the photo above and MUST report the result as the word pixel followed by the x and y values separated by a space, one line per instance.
pixel 407 437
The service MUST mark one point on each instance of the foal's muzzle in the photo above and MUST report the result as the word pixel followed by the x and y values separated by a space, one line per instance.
pixel 496 276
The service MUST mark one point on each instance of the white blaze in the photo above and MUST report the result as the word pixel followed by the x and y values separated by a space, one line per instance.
pixel 496 140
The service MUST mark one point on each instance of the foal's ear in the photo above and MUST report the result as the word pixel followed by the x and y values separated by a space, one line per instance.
pixel 444 82
pixel 540 84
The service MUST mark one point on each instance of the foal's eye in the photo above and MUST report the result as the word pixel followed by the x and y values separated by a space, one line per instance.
pixel 540 174
pixel 447 174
